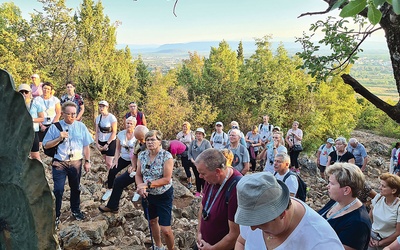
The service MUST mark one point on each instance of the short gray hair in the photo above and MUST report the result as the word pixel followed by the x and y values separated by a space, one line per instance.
pixel 212 158
pixel 342 140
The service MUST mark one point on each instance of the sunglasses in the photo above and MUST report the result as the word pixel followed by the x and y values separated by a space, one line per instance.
pixel 24 92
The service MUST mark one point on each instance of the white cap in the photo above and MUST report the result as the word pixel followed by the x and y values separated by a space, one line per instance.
pixel 219 123
pixel 105 103
pixel 35 75
pixel 24 86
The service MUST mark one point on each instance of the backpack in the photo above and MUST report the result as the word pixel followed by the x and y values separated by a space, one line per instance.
pixel 232 184
pixel 269 127
pixel 53 151
pixel 223 135
pixel 301 190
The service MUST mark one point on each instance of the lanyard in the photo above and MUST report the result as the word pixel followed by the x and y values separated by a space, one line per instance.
pixel 341 210
pixel 216 195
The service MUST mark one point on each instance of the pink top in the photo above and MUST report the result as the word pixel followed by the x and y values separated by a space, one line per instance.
pixel 176 147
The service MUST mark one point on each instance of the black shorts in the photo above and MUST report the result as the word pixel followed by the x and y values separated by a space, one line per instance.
pixel 111 147
pixel 35 146
pixel 43 133
pixel 321 168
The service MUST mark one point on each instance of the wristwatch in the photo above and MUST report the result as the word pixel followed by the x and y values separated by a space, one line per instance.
pixel 149 184
pixel 89 161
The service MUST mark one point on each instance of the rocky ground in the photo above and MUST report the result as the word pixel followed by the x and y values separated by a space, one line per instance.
pixel 128 229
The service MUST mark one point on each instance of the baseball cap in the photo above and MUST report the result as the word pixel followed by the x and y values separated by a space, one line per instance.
pixel 219 123
pixel 105 103
pixel 35 75
pixel 24 86
pixel 331 141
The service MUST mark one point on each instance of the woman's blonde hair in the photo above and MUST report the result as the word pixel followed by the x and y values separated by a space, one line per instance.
pixel 187 125
pixel 347 174
pixel 228 155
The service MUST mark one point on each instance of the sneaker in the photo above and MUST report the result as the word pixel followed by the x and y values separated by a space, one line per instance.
pixel 78 215
pixel 189 186
pixel 57 222
pixel 107 195
pixel 159 248
pixel 105 209
pixel 197 194
pixel 297 171
pixel 135 197
pixel 132 174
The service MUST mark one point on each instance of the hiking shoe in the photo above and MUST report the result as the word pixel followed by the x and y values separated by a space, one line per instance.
pixel 189 186
pixel 107 195
pixel 57 222
pixel 78 215
pixel 105 209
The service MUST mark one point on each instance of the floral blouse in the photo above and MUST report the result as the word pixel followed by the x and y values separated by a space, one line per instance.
pixel 154 170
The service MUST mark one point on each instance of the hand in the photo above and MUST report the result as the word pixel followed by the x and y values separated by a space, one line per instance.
pixel 99 147
pixel 87 167
pixel 63 134
pixel 142 186
pixel 373 243
pixel 203 245
pixel 142 192
pixel 131 169
pixel 105 147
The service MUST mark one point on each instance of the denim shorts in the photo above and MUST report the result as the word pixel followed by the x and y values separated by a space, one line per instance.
pixel 159 206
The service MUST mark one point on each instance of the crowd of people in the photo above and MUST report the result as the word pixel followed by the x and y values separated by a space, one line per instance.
pixel 241 208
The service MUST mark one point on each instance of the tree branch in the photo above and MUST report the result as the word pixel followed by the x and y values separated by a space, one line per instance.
pixel 392 111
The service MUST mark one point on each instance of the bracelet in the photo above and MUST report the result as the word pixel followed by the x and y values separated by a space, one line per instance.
pixel 149 184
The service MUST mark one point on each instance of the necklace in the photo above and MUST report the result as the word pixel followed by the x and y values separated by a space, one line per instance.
pixel 341 210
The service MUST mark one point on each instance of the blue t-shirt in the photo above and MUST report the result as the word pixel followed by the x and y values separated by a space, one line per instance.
pixel 359 153
pixel 78 137
pixel 34 109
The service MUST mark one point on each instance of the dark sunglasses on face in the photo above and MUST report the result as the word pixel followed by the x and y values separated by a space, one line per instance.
pixel 24 92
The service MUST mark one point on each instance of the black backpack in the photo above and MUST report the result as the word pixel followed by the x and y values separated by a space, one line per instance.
pixel 301 190
pixel 232 184
pixel 52 151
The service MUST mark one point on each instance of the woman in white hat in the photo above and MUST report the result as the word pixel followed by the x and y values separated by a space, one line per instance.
pixel 106 133
pixel 195 149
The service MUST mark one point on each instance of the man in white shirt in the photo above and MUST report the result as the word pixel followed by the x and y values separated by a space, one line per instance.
pixel 281 167
pixel 322 155
pixel 265 130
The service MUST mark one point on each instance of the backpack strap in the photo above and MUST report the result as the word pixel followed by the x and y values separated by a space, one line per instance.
pixel 58 126
pixel 287 175
pixel 231 185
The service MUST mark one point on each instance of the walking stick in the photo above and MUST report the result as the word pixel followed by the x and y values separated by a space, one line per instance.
pixel 146 208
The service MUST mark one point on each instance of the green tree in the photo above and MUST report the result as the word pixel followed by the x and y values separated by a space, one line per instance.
pixel 104 72
pixel 12 54
pixel 339 36
pixel 240 55
pixel 143 77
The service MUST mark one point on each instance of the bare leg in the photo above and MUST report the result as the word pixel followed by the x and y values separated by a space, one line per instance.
pixel 109 161
pixel 169 236
pixel 35 155
pixel 155 229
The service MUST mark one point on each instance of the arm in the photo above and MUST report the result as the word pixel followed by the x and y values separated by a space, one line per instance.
pixel 240 242
pixel 117 153
pixel 58 113
pixel 79 116
pixel 246 167
pixel 96 136
pixel 318 155
pixel 262 155
pixel 56 141
pixel 329 161
pixel 395 245
pixel 139 180
pixel 134 164
pixel 144 120
pixel 364 166
pixel 168 167
pixel 86 153
pixel 391 238
pixel 352 161
pixel 39 119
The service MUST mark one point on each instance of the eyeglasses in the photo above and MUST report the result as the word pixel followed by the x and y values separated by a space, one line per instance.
pixel 24 92
pixel 132 106
pixel 151 140
pixel 275 137
pixel 339 144
pixel 233 135
pixel 70 114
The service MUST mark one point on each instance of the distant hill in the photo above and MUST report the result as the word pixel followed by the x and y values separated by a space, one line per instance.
pixel 203 48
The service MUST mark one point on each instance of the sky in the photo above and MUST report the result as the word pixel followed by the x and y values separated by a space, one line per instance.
pixel 152 22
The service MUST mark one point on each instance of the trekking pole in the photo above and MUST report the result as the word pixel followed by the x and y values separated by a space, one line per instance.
pixel 146 208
